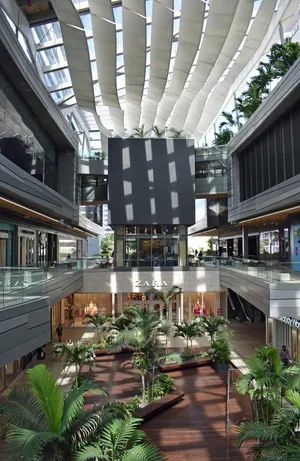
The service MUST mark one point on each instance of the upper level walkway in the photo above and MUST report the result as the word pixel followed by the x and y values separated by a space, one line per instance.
pixel 271 286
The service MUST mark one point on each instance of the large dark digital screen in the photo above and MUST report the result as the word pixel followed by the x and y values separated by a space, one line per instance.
pixel 151 181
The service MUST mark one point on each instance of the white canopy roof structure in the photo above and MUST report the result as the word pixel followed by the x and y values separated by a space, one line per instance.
pixel 167 63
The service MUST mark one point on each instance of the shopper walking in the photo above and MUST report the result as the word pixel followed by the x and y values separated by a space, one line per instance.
pixel 59 332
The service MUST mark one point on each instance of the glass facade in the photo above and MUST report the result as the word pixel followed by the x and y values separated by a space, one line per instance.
pixel 149 245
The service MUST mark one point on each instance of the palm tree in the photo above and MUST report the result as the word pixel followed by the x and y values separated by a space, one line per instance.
pixel 166 296
pixel 225 133
pixel 120 441
pixel 158 132
pixel 100 322
pixel 278 440
pixel 223 137
pixel 43 424
pixel 264 77
pixel 282 56
pixel 189 331
pixel 229 121
pixel 250 100
pixel 77 354
pixel 213 325
pixel 142 337
pixel 140 132
pixel 266 381
pixel 175 133
pixel 167 329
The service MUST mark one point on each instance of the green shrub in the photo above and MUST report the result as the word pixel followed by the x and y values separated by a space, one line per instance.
pixel 133 404
pixel 161 385
pixel 220 351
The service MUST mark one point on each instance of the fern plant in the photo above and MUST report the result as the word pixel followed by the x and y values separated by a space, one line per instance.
pixel 120 441
pixel 278 440
pixel 43 424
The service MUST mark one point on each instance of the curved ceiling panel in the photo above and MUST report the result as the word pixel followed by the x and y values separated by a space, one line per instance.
pixel 252 43
pixel 160 54
pixel 134 46
pixel 104 33
pixel 234 39
pixel 191 23
pixel 219 20
pixel 76 51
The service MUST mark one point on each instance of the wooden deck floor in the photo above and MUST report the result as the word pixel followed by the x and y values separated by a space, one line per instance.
pixel 193 430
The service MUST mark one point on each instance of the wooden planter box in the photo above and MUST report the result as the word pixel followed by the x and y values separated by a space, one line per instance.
pixel 158 406
pixel 101 352
pixel 185 365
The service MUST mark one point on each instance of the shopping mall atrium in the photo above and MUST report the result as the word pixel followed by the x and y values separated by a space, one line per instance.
pixel 150 230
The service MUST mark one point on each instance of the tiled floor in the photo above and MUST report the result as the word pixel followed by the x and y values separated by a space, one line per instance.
pixel 246 337
pixel 193 430
pixel 62 373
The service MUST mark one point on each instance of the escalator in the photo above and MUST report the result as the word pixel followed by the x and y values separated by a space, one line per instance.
pixel 236 310
pixel 241 310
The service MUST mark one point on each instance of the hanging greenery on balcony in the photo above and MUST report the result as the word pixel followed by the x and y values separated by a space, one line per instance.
pixel 280 59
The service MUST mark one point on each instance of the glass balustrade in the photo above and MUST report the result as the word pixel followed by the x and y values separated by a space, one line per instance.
pixel 19 285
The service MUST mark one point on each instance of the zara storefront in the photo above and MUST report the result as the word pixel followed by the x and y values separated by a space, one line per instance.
pixel 112 291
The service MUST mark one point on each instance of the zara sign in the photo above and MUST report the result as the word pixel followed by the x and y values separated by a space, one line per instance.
pixel 150 283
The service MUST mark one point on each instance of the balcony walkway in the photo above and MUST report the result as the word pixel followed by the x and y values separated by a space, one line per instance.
pixel 194 429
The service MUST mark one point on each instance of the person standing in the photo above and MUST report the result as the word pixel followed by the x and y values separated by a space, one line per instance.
pixel 69 262
pixel 285 356
pixel 59 332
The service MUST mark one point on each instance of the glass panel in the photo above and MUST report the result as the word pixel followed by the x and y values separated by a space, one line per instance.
pixel 130 252
pixel 119 36
pixel 46 33
pixel 145 230
pixel 131 230
pixel 157 230
pixel 145 252
pixel 52 56
pixel 118 16
pixel 87 23
pixel 158 252
pixel 172 252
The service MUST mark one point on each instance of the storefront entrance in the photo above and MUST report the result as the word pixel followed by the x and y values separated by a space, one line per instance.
pixel 6 245
pixel 27 247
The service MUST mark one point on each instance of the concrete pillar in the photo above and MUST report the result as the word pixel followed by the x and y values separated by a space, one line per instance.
pixel 245 243
pixel 160 310
pixel 281 243
pixel 190 307
pixel 113 305
pixel 120 302
pixel 170 311
pixel 119 248
pixel 181 310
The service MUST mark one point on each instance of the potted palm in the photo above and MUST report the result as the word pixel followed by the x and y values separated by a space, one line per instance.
pixel 189 331
pixel 220 353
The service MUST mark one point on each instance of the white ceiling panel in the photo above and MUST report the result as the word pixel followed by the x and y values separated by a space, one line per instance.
pixel 160 54
pixel 233 40
pixel 76 51
pixel 191 23
pixel 134 46
pixel 219 20
pixel 252 44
